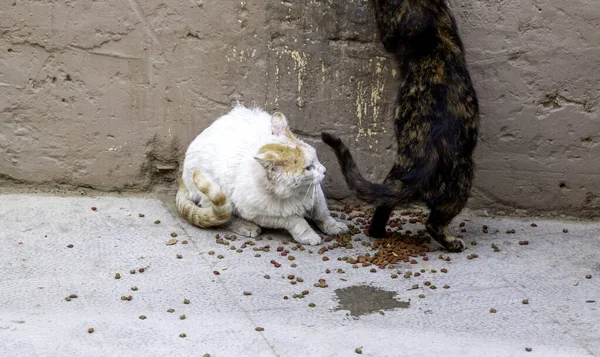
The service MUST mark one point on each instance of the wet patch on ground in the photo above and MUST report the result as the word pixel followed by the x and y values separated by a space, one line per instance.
pixel 363 300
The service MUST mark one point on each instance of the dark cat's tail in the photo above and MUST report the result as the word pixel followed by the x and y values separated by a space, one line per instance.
pixel 377 194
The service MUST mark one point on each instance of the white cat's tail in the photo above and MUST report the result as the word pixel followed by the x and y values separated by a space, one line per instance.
pixel 215 215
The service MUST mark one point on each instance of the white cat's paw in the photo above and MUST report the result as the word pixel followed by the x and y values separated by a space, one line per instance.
pixel 309 237
pixel 333 227
pixel 251 231
pixel 244 228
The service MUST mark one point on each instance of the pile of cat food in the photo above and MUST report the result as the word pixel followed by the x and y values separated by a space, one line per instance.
pixel 397 247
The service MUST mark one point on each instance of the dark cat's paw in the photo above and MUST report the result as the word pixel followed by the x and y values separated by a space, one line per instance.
pixel 330 139
pixel 377 232
pixel 455 245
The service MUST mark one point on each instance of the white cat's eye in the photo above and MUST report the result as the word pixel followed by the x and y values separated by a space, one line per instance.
pixel 308 168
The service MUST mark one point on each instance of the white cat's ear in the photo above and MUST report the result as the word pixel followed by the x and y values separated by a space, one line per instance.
pixel 262 159
pixel 279 124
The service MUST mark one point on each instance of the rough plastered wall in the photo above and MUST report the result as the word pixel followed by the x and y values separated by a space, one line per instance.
pixel 108 93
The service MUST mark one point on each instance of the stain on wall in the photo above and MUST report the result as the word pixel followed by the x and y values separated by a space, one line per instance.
pixel 108 94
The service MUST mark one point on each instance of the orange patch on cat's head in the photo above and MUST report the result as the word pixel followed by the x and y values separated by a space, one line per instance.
pixel 289 158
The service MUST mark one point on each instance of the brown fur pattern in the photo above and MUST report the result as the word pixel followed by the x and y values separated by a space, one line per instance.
pixel 291 159
pixel 217 214
pixel 436 119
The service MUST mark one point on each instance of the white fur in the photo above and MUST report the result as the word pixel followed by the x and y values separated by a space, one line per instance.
pixel 227 154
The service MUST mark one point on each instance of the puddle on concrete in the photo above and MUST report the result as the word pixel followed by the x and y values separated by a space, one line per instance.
pixel 364 300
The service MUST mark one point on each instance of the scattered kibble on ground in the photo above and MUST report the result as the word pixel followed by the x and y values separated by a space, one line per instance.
pixel 358 350
pixel 117 276
pixel 259 329
pixel 492 310
pixel 91 330
pixel 143 317
pixel 182 335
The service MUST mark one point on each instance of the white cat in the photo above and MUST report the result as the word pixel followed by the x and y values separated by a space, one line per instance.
pixel 250 164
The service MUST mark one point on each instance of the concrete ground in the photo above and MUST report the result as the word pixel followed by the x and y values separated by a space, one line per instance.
pixel 53 247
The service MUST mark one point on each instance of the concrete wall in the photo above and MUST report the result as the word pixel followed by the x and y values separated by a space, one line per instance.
pixel 108 93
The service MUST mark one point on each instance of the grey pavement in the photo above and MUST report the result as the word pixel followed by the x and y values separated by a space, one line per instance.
pixel 53 247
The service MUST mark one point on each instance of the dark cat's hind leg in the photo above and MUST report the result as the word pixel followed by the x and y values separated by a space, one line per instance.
pixel 377 229
pixel 379 221
pixel 437 226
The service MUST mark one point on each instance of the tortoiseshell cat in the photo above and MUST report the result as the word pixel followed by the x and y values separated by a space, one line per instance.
pixel 436 119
